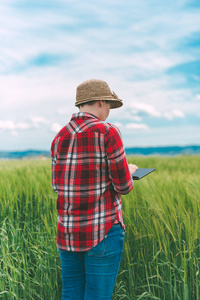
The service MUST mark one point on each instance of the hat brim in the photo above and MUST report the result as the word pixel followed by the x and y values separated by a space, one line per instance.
pixel 114 103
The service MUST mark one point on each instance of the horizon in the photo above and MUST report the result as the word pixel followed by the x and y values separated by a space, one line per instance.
pixel 148 53
pixel 136 147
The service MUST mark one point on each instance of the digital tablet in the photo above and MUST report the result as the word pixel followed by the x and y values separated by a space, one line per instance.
pixel 140 173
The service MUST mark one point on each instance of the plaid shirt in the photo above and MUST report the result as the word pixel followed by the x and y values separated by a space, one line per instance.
pixel 89 172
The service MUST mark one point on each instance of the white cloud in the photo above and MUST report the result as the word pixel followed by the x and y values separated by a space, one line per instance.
pixel 136 126
pixel 38 120
pixel 7 124
pixel 198 97
pixel 67 110
pixel 95 41
pixel 164 136
pixel 56 127
pixel 178 113
pixel 15 133
pixel 174 114
pixel 138 107
pixel 22 125
pixel 10 125
pixel 118 124
pixel 136 118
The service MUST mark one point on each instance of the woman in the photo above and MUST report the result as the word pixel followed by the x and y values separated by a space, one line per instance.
pixel 89 173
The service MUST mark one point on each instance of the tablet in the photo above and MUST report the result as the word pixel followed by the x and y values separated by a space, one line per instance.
pixel 140 173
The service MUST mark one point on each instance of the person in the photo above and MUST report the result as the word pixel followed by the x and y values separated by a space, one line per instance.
pixel 89 173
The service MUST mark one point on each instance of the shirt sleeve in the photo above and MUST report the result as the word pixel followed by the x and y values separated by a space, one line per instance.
pixel 54 147
pixel 117 163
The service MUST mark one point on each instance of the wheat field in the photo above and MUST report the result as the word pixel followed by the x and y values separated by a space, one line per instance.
pixel 161 257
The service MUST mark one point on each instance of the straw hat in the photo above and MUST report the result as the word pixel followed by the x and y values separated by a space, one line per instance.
pixel 96 89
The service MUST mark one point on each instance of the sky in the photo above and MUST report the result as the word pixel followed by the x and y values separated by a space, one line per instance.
pixel 147 51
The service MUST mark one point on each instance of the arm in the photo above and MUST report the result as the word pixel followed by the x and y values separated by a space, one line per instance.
pixel 119 171
pixel 54 147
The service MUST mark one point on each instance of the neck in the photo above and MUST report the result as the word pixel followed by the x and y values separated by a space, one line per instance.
pixel 89 109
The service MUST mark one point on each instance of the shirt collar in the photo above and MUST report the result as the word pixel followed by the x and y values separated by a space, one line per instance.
pixel 82 115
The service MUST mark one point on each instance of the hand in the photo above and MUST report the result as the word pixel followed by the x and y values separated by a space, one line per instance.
pixel 132 168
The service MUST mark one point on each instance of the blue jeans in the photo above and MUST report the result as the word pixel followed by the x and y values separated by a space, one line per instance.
pixel 91 275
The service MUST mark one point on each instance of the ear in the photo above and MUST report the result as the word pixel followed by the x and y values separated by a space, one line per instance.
pixel 100 103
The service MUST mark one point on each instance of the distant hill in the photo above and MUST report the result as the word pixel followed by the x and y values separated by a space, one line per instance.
pixel 171 150
pixel 23 154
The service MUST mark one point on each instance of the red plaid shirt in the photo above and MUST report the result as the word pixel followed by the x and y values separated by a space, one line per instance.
pixel 89 172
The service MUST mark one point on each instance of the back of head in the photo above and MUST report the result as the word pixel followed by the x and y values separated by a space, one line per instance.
pixel 96 89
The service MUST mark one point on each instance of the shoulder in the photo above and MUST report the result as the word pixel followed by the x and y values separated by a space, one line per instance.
pixel 113 138
pixel 107 127
pixel 61 134
pixel 113 130
pixel 100 126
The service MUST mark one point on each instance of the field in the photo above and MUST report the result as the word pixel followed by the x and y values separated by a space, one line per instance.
pixel 161 258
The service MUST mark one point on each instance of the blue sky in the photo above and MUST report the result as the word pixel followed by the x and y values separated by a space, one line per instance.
pixel 147 51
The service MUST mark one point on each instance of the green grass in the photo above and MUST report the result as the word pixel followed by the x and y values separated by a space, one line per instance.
pixel 161 258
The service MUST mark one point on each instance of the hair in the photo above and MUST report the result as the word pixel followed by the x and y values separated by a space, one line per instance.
pixel 91 103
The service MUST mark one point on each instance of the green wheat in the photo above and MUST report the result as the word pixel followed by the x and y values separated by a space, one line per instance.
pixel 161 258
